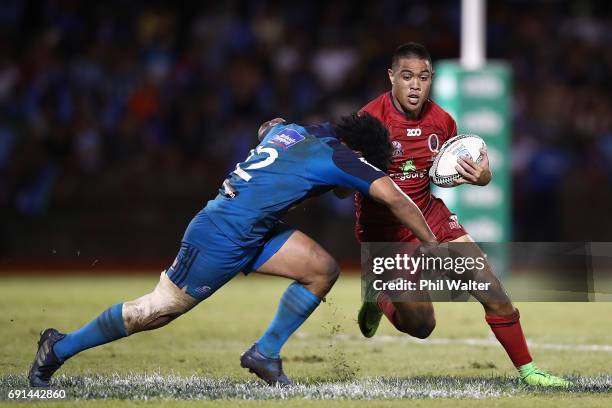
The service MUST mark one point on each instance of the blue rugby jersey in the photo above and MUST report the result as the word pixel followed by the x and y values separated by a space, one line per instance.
pixel 292 163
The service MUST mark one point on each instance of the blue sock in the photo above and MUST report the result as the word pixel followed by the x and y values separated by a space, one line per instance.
pixel 296 304
pixel 103 329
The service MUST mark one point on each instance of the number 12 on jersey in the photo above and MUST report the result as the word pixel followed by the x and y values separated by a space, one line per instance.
pixel 272 156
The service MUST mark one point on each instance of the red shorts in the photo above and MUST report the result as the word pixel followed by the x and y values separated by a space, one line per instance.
pixel 443 223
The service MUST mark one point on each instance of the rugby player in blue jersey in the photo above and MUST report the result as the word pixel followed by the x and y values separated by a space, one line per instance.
pixel 240 230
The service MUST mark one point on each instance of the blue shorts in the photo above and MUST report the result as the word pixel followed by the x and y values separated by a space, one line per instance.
pixel 207 259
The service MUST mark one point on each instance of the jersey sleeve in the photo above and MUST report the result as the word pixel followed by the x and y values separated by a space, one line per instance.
pixel 373 108
pixel 365 109
pixel 352 171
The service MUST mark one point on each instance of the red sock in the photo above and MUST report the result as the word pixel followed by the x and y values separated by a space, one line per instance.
pixel 508 331
pixel 387 307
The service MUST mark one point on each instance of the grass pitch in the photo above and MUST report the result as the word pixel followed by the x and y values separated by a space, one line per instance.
pixel 195 359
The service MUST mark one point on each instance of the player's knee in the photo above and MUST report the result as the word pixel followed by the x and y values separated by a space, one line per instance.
pixel 418 326
pixel 156 309
pixel 332 271
pixel 328 271
pixel 321 274
pixel 420 331
pixel 146 313
pixel 424 330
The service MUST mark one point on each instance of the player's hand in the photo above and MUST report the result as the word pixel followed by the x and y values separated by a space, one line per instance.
pixel 478 174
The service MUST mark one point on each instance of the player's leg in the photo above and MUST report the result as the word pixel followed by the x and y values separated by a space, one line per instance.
pixel 290 254
pixel 197 272
pixel 153 310
pixel 412 314
pixel 500 314
pixel 314 272
pixel 414 317
pixel 303 260
pixel 168 300
pixel 504 318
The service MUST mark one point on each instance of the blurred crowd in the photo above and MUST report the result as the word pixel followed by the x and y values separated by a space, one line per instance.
pixel 118 120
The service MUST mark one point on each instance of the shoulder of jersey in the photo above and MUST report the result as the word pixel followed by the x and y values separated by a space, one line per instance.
pixel 438 111
pixel 438 115
pixel 376 107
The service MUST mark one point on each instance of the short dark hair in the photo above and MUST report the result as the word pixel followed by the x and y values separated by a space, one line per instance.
pixel 364 133
pixel 410 50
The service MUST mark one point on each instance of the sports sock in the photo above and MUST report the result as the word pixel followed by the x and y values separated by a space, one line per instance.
pixel 296 304
pixel 387 307
pixel 509 333
pixel 103 329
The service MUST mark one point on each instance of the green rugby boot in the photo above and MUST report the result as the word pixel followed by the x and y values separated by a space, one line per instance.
pixel 369 314
pixel 531 375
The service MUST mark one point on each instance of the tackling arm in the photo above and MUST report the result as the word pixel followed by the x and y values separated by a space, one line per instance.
pixel 385 191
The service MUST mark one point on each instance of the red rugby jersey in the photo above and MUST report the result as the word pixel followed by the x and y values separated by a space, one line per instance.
pixel 415 145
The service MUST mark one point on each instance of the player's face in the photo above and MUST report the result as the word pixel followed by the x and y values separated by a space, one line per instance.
pixel 410 84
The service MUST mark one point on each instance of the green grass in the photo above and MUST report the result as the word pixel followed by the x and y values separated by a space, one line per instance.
pixel 458 365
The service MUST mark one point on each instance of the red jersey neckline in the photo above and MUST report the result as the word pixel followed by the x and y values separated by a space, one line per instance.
pixel 426 106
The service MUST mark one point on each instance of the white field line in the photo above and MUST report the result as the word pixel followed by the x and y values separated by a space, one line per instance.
pixel 147 386
pixel 488 342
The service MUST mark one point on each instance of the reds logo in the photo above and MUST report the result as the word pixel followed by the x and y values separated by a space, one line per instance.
pixel 434 143
pixel 413 132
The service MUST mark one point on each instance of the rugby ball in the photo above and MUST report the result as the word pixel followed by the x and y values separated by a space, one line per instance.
pixel 443 171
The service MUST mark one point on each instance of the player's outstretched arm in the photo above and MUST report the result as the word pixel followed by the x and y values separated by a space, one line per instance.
pixel 385 191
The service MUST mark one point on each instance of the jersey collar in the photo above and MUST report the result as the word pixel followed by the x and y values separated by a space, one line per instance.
pixel 425 107
pixel 325 129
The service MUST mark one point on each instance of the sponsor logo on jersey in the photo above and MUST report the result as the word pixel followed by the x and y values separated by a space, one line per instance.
pixel 409 171
pixel 413 132
pixel 286 138
pixel 408 166
pixel 434 143
pixel 397 148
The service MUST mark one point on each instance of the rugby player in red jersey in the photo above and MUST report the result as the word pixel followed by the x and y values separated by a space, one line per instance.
pixel 418 127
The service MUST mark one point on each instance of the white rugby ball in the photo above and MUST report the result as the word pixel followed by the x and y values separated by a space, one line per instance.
pixel 443 171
